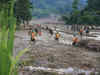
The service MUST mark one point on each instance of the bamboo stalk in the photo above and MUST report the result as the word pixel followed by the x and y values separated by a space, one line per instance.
pixel 6 45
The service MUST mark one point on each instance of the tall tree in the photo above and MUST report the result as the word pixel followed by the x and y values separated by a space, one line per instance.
pixel 89 15
pixel 22 10
pixel 75 11
pixel 74 15
pixel 94 4
pixel 75 5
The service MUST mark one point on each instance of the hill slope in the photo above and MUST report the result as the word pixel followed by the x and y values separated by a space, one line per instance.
pixel 43 8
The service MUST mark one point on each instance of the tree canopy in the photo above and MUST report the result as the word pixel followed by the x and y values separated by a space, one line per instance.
pixel 89 15
pixel 23 11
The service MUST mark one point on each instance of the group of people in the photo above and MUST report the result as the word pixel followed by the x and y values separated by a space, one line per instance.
pixel 57 34
pixel 37 31
pixel 75 39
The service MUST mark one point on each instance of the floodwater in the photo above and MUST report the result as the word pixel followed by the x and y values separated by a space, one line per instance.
pixel 60 56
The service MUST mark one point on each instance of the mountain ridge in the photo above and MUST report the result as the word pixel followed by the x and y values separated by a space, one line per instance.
pixel 44 8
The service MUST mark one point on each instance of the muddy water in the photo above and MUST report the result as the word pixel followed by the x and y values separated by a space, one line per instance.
pixel 70 70
pixel 48 53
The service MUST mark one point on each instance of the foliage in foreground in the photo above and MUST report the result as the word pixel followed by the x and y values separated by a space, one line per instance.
pixel 7 29
pixel 23 11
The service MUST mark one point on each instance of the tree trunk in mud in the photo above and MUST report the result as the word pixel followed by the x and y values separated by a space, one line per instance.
pixel 27 22
pixel 24 23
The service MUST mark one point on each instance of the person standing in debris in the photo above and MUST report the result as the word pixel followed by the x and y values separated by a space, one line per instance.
pixel 75 41
pixel 74 34
pixel 51 31
pixel 87 32
pixel 57 36
pixel 81 33
pixel 47 28
pixel 36 30
pixel 33 36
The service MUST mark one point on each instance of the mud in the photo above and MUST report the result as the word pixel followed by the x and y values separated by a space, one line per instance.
pixel 46 52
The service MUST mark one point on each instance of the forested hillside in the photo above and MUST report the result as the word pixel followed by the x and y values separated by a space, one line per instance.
pixel 89 15
pixel 44 8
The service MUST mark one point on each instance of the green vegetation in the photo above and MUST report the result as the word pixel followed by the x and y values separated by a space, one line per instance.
pixel 89 15
pixel 7 29
pixel 44 8
pixel 23 11
pixel 7 24
pixel 73 18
